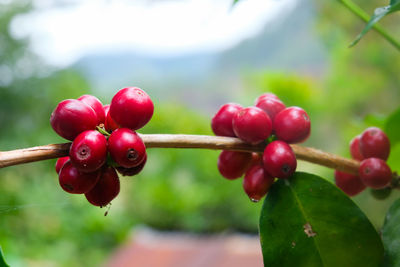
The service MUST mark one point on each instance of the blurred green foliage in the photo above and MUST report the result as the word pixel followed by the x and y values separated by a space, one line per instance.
pixel 178 189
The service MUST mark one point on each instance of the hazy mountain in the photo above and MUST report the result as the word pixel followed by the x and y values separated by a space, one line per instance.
pixel 288 44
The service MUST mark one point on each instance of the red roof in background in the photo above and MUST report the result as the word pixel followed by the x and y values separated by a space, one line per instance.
pixel 149 248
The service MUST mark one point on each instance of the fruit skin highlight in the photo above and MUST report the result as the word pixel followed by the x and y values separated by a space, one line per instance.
pixel 279 160
pixel 131 108
pixel 375 173
pixel 252 125
pixel 374 143
pixel 292 125
pixel 257 182
pixel 75 182
pixel 126 148
pixel 96 105
pixel 71 117
pixel 88 151
pixel 233 164
pixel 221 123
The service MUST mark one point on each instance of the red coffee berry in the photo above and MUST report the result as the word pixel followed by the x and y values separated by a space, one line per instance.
pixel 106 189
pixel 132 171
pixel 355 148
pixel 264 96
pixel 279 160
pixel 374 143
pixel 349 183
pixel 257 182
pixel 109 124
pixel 76 182
pixel 292 125
pixel 96 105
pixel 71 117
pixel 88 152
pixel 126 147
pixel 233 164
pixel 271 106
pixel 375 173
pixel 221 123
pixel 252 125
pixel 60 163
pixel 131 108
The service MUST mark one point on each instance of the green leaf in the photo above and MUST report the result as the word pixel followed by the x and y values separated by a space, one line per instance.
pixel 308 221
pixel 235 2
pixel 2 261
pixel 391 235
pixel 379 13
pixel 392 127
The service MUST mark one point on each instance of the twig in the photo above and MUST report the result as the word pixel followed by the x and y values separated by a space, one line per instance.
pixel 20 156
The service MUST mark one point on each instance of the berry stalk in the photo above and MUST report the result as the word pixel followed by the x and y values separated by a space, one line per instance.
pixel 26 155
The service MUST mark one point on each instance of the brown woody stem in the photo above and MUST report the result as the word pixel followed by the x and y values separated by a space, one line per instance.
pixel 20 156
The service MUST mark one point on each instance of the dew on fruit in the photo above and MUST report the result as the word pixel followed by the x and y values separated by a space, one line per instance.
pixel 254 200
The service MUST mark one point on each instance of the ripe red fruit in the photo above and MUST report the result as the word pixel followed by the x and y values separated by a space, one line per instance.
pixel 292 125
pixel 131 108
pixel 75 182
pixel 221 123
pixel 88 151
pixel 106 189
pixel 233 164
pixel 96 105
pixel 109 124
pixel 60 163
pixel 252 125
pixel 374 143
pixel 257 182
pixel 126 147
pixel 355 148
pixel 349 183
pixel 71 117
pixel 375 173
pixel 271 106
pixel 279 160
pixel 132 171
pixel 264 96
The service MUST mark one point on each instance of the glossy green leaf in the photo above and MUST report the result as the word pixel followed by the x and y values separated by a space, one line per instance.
pixel 392 127
pixel 2 261
pixel 391 235
pixel 308 221
pixel 379 13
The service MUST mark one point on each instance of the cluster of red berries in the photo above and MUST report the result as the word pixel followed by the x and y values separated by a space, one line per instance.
pixel 372 148
pixel 104 140
pixel 268 119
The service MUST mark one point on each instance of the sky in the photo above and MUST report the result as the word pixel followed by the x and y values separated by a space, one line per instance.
pixel 62 34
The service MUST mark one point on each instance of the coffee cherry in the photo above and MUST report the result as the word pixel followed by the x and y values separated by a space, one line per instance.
pixel 71 117
pixel 96 105
pixel 221 123
pixel 109 124
pixel 374 143
pixel 106 189
pixel 264 96
pixel 233 164
pixel 257 182
pixel 375 173
pixel 132 171
pixel 292 125
pixel 131 108
pixel 60 163
pixel 271 106
pixel 355 148
pixel 126 147
pixel 75 182
pixel 252 125
pixel 88 151
pixel 279 160
pixel 381 194
pixel 349 183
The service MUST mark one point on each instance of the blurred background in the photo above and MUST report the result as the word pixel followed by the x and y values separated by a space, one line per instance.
pixel 190 56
